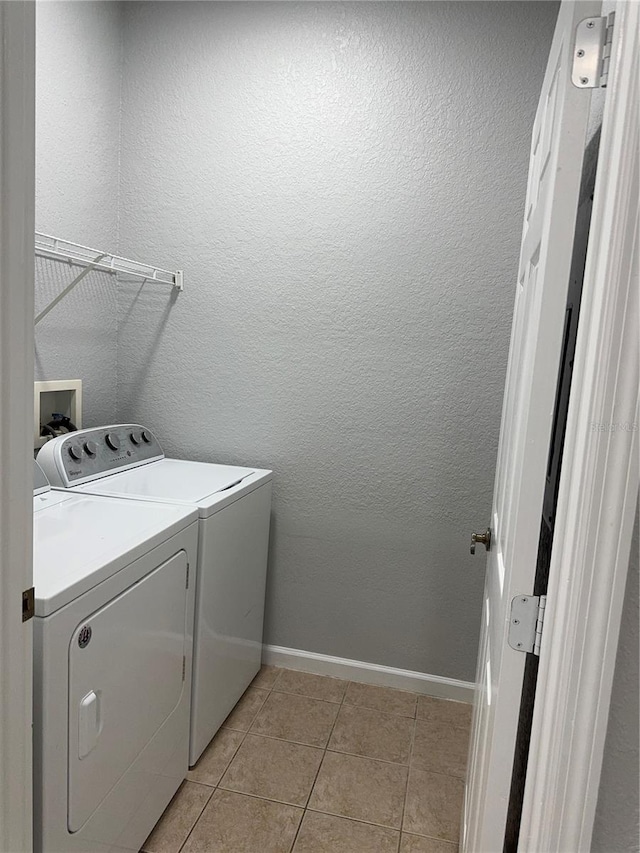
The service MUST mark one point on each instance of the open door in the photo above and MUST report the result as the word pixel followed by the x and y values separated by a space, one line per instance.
pixel 555 170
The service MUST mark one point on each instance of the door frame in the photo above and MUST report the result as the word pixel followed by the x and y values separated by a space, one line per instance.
pixel 598 489
pixel 17 171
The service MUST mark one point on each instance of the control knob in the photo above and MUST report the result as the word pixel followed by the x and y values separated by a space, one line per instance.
pixel 112 441
pixel 146 437
pixel 91 448
pixel 75 452
pixel 135 439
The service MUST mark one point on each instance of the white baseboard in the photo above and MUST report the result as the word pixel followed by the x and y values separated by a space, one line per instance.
pixel 369 673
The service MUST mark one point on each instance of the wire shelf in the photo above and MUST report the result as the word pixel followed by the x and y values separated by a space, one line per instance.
pixel 55 247
pixel 92 259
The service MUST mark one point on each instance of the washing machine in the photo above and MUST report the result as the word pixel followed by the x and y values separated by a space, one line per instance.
pixel 113 638
pixel 234 505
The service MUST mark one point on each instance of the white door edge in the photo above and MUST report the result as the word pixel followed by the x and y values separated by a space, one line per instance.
pixel 598 490
pixel 17 141
pixel 558 144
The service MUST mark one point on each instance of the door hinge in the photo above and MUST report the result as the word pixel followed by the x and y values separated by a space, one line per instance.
pixel 187 575
pixel 28 604
pixel 184 666
pixel 526 622
pixel 592 52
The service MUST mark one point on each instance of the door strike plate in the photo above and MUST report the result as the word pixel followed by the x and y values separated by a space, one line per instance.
pixel 28 604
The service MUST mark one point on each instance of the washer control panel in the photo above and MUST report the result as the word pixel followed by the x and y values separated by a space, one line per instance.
pixel 88 454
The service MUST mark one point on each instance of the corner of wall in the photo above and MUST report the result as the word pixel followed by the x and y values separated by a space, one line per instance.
pixel 122 14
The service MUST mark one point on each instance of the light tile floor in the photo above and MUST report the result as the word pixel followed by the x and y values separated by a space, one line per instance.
pixel 309 764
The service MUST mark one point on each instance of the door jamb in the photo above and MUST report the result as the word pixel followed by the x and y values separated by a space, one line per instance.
pixel 17 168
pixel 598 490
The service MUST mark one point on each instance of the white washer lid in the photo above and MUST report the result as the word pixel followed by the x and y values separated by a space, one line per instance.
pixel 80 540
pixel 200 483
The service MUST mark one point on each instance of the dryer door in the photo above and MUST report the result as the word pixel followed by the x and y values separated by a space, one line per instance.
pixel 126 677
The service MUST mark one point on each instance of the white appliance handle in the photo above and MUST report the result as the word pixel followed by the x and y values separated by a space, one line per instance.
pixel 89 724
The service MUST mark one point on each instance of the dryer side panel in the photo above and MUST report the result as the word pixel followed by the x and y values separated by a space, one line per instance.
pixel 126 677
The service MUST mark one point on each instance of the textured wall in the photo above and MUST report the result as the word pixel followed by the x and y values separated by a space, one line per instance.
pixel 617 824
pixel 78 70
pixel 343 184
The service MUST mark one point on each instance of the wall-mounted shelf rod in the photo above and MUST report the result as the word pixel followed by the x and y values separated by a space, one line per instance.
pixel 54 247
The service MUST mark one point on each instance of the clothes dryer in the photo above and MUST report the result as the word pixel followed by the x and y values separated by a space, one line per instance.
pixel 113 639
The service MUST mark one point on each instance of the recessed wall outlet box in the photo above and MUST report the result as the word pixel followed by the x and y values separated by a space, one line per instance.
pixel 57 397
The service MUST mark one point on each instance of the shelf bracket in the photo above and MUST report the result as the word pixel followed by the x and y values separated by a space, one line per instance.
pixel 69 288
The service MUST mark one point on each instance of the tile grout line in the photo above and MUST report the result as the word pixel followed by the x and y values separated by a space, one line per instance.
pixel 406 790
pixel 332 750
pixel 369 757
pixel 197 820
pixel 259 797
pixel 365 822
pixel 275 681
pixel 462 779
pixel 285 740
pixel 216 787
pixel 235 752
pixel 315 779
pixel 453 844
